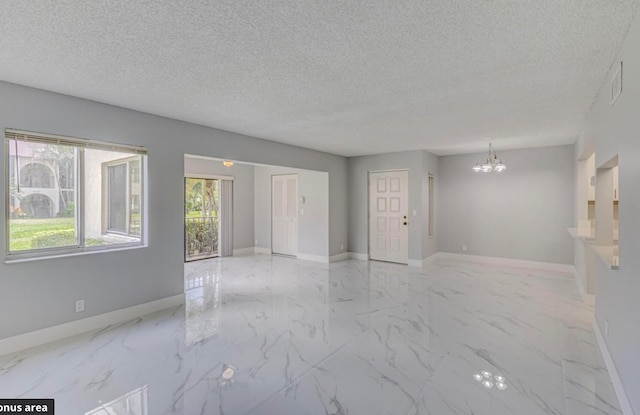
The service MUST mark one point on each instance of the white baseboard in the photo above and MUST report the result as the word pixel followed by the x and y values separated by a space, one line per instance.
pixel 61 331
pixel 625 405
pixel 361 257
pixel 339 257
pixel 424 261
pixel 244 251
pixel 430 259
pixel 303 257
pixel 314 258
pixel 569 270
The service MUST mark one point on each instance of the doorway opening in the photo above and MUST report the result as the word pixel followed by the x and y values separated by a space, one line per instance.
pixel 584 236
pixel 244 215
pixel 201 218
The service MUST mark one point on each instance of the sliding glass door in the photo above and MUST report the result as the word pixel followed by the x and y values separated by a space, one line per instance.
pixel 201 220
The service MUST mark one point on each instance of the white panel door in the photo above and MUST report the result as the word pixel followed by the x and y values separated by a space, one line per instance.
pixel 284 210
pixel 388 216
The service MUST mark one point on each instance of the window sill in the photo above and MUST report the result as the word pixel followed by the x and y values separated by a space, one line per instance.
pixel 21 259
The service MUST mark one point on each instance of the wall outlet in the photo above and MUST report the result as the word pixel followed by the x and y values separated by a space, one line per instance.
pixel 342 246
pixel 79 306
pixel 256 242
pixel 606 328
pixel 464 248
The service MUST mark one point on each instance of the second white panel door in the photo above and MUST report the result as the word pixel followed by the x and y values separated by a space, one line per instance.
pixel 388 216
pixel 284 209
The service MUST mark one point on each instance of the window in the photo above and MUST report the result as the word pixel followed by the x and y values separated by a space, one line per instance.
pixel 66 195
pixel 121 196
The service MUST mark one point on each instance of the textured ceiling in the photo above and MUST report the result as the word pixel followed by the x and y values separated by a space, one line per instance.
pixel 350 78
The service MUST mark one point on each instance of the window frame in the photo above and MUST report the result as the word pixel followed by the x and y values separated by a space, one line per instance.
pixel 106 194
pixel 129 151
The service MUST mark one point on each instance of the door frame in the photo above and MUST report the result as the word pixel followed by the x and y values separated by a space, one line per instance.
pixel 297 213
pixel 369 172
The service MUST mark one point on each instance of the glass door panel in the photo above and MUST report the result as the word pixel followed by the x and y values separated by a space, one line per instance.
pixel 201 201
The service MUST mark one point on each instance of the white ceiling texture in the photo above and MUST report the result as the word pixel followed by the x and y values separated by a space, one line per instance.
pixel 345 77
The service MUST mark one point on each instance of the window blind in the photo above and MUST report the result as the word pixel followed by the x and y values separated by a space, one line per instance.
pixel 26 136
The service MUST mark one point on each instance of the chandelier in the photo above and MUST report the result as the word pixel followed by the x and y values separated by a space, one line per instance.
pixel 492 163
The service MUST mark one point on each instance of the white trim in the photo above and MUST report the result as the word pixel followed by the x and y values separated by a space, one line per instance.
pixel 569 270
pixel 207 176
pixel 507 262
pixel 339 257
pixel 420 263
pixel 261 250
pixel 244 251
pixel 314 258
pixel 625 405
pixel 388 171
pixel 430 259
pixel 61 331
pixel 359 256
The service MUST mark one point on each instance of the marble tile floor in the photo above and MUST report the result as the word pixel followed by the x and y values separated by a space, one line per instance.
pixel 269 335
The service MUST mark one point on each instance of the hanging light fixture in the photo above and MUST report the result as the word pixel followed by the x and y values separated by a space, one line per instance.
pixel 492 163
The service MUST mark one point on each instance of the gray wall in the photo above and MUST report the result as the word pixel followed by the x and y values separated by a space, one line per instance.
pixel 313 237
pixel 521 214
pixel 616 130
pixel 42 293
pixel 243 201
pixel 419 163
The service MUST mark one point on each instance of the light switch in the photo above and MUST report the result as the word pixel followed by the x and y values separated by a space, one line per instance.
pixel 301 212
pixel 415 212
